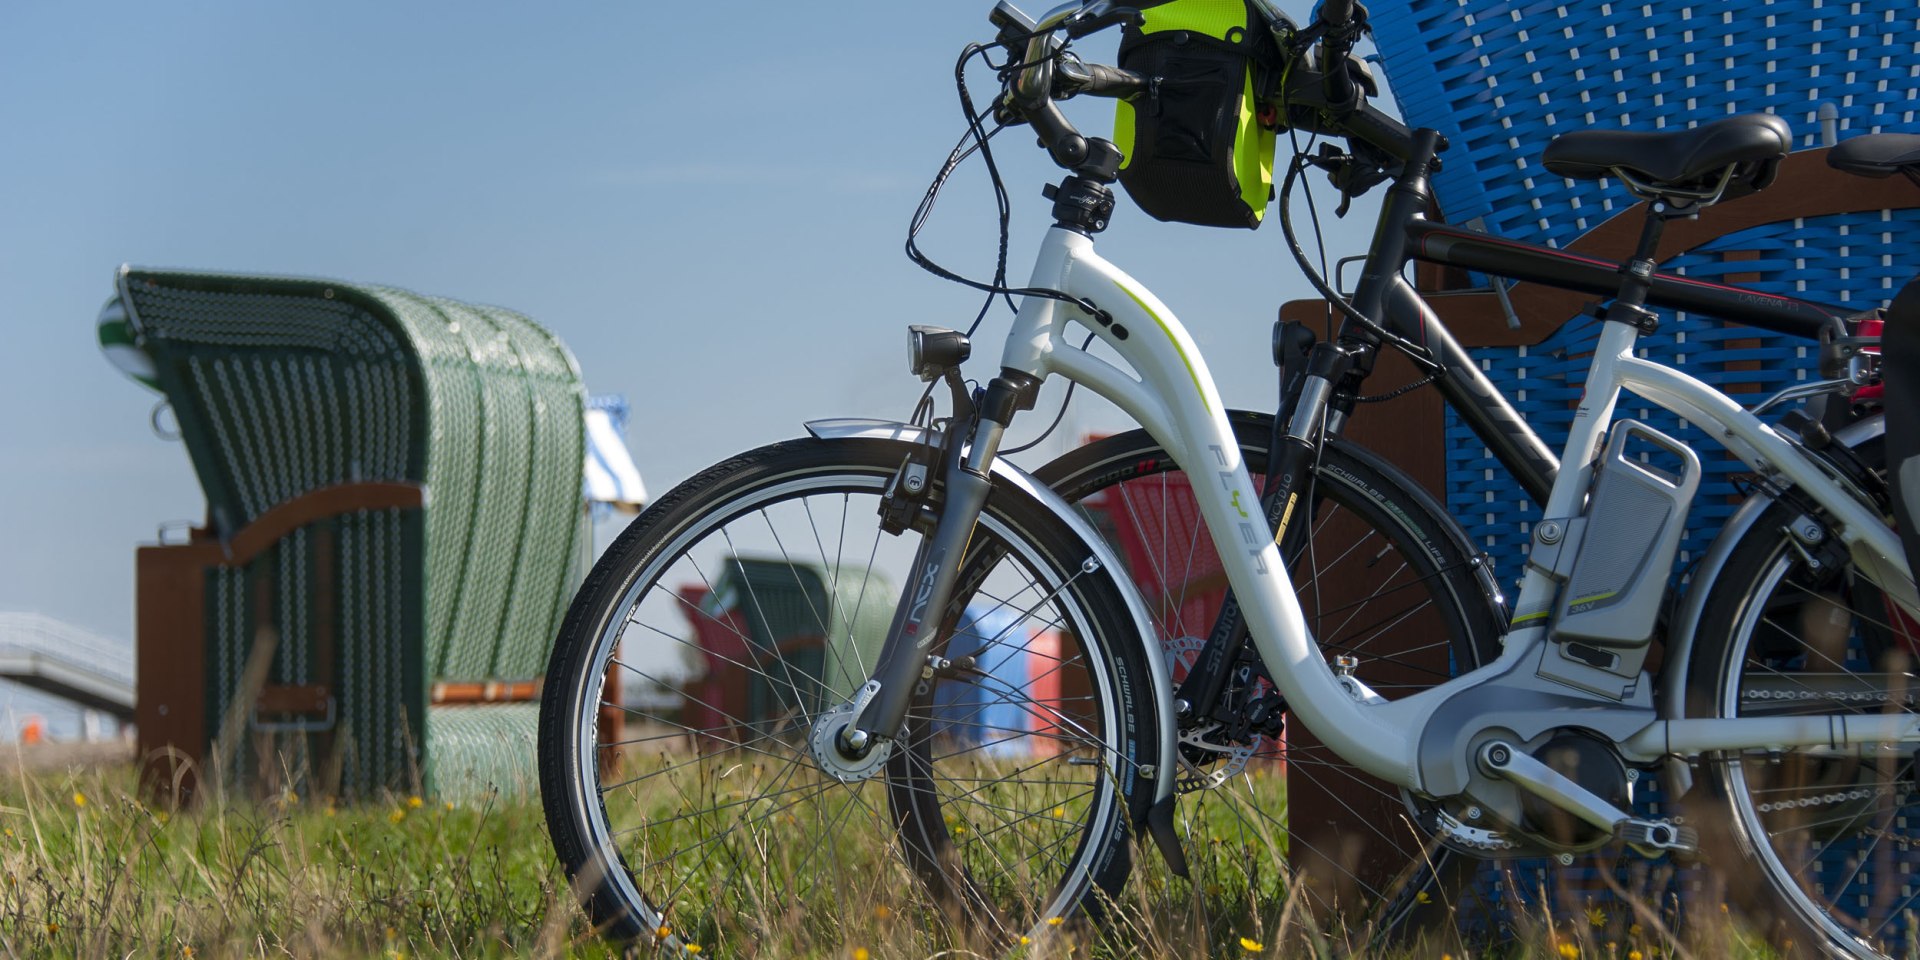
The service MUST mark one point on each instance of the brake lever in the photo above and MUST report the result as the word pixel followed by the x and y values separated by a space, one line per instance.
pixel 1352 174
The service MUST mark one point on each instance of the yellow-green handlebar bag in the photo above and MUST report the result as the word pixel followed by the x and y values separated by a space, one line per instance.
pixel 1195 149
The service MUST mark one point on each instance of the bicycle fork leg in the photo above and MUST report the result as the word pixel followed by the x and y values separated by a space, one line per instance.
pixel 882 703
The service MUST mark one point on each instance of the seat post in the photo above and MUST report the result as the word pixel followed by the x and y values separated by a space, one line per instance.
pixel 1636 275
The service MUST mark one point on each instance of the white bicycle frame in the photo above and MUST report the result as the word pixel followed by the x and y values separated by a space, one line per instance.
pixel 1172 395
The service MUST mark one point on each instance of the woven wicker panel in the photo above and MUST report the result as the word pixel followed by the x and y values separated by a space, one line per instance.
pixel 477 751
pixel 277 393
pixel 507 409
pixel 379 696
pixel 1501 77
pixel 285 386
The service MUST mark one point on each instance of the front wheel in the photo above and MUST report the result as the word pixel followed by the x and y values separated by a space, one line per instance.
pixel 737 617
pixel 1833 837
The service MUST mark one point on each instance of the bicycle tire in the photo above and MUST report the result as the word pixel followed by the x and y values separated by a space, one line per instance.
pixel 1827 837
pixel 674 857
pixel 1348 482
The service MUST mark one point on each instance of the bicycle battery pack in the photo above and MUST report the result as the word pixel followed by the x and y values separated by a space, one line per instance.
pixel 1194 148
pixel 1635 517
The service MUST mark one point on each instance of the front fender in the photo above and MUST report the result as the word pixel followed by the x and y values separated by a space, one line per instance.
pixel 1006 473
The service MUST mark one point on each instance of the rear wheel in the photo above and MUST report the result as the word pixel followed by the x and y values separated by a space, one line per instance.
pixel 1832 837
pixel 1382 578
pixel 736 619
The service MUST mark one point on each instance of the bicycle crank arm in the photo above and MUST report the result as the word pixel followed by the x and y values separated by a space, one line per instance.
pixel 1507 762
pixel 1650 837
pixel 1689 738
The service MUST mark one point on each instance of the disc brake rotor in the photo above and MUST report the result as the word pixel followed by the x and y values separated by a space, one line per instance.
pixel 1229 757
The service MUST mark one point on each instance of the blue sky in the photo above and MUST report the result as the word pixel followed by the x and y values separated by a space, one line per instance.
pixel 707 203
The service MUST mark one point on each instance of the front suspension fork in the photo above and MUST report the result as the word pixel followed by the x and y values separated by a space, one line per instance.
pixel 921 616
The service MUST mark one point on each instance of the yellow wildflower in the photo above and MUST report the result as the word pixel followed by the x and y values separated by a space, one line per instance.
pixel 1059 811
pixel 882 911
pixel 1636 955
pixel 664 932
pixel 52 928
pixel 1569 951
pixel 1422 897
pixel 1054 921
pixel 397 815
pixel 860 953
pixel 1024 940
pixel 79 799
pixel 1249 944
pixel 693 948
pixel 414 802
pixel 1596 916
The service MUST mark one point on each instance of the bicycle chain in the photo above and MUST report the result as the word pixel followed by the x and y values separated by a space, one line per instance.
pixel 1795 696
pixel 1802 802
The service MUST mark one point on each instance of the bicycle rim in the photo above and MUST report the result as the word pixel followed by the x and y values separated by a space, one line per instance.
pixel 1836 834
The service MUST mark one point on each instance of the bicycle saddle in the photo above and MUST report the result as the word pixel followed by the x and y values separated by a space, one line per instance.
pixel 1877 155
pixel 1689 162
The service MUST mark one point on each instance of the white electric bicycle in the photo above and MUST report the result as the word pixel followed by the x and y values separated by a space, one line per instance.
pixel 881 673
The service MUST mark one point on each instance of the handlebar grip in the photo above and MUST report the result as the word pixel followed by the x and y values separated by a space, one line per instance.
pixel 1100 80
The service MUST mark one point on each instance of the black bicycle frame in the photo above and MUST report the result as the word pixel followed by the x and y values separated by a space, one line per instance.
pixel 1465 389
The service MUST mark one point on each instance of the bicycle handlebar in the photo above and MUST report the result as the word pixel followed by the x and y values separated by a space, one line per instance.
pixel 1332 102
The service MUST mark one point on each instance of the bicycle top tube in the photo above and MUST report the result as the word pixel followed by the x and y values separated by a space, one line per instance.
pixel 1476 250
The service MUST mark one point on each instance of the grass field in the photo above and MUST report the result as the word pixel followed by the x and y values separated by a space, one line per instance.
pixel 90 870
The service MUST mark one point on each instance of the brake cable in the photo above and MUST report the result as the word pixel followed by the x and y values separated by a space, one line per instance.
pixel 1421 356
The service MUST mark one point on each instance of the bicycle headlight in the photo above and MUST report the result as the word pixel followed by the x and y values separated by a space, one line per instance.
pixel 932 350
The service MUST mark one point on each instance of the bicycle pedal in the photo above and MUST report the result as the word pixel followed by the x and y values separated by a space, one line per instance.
pixel 1651 838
